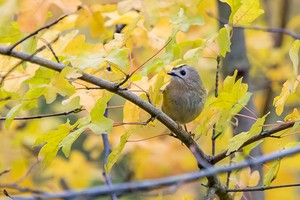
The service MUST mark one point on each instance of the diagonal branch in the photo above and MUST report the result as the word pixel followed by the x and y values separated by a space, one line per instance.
pixel 123 188
pixel 185 137
pixel 182 135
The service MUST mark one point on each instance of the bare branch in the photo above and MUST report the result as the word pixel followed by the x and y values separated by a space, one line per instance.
pixel 258 28
pixel 107 151
pixel 22 189
pixel 263 188
pixel 22 61
pixel 263 134
pixel 50 47
pixel 123 188
pixel 183 136
pixel 4 172
pixel 128 76
pixel 214 135
pixel 77 110
pixel 34 33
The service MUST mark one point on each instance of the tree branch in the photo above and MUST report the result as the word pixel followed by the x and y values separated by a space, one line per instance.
pixel 77 110
pixel 123 188
pixel 263 188
pixel 9 49
pixel 258 28
pixel 107 151
pixel 182 135
pixel 263 134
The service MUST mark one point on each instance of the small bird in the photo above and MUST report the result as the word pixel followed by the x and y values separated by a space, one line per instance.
pixel 184 96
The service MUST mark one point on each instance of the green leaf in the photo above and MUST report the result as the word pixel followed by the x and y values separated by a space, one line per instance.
pixel 154 91
pixel 50 83
pixel 101 124
pixel 119 57
pixel 42 76
pixel 241 103
pixel 293 52
pixel 68 141
pixel 12 114
pixel 233 96
pixel 247 149
pixel 52 140
pixel 224 40
pixel 272 173
pixel 98 111
pixel 243 12
pixel 237 141
pixel 6 97
pixel 59 84
pixel 183 22
pixel 116 153
pixel 247 12
pixel 29 45
pixel 193 53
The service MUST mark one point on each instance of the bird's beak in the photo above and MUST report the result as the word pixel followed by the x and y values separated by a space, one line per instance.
pixel 172 73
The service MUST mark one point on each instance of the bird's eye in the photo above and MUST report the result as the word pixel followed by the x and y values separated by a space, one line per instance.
pixel 182 72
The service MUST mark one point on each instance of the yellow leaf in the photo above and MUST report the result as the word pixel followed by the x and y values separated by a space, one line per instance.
pixel 254 178
pixel 116 153
pixel 97 24
pixel 224 40
pixel 272 173
pixel 69 171
pixel 155 90
pixel 293 52
pixel 288 88
pixel 131 112
pixel 192 53
pixel 247 12
pixel 293 116
pixel 247 178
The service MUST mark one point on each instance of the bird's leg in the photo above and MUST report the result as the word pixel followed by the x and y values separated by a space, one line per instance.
pixel 185 128
pixel 192 134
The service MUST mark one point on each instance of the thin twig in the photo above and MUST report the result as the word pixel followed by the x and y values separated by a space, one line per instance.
pixel 4 172
pixel 151 119
pixel 149 138
pixel 50 47
pixel 10 48
pixel 142 90
pixel 263 188
pixel 22 189
pixel 214 136
pixel 259 136
pixel 77 110
pixel 128 76
pixel 27 173
pixel 258 28
pixel 22 61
